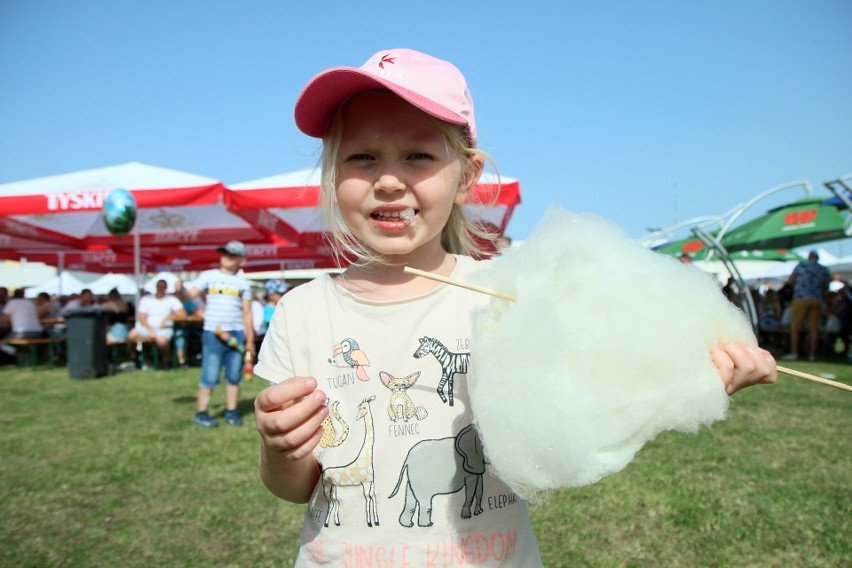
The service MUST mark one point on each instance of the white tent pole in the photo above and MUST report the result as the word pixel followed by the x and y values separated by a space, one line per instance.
pixel 61 268
pixel 137 271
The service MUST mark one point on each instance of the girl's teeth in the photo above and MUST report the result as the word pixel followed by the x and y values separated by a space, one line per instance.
pixel 405 214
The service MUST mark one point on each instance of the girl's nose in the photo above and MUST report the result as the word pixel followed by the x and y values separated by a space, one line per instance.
pixel 389 183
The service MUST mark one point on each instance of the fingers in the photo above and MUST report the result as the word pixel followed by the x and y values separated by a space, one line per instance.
pixel 741 365
pixel 286 391
pixel 289 416
pixel 725 365
pixel 299 450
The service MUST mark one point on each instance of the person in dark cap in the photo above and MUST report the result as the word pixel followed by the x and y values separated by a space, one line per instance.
pixel 228 309
pixel 810 283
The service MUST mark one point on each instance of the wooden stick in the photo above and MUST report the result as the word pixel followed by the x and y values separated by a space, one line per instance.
pixel 512 298
pixel 460 284
pixel 814 378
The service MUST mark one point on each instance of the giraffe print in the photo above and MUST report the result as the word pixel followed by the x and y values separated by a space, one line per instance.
pixel 357 472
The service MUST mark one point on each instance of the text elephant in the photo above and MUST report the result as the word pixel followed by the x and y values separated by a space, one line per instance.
pixel 442 467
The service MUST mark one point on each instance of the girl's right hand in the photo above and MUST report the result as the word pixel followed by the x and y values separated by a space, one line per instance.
pixel 289 417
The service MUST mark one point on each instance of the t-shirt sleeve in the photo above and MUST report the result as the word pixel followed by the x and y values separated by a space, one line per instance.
pixel 201 282
pixel 273 362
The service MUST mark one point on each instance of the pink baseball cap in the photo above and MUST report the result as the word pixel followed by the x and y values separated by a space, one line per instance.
pixel 434 86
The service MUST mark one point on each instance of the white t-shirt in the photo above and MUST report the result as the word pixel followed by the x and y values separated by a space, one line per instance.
pixel 157 309
pixel 390 435
pixel 23 315
pixel 225 295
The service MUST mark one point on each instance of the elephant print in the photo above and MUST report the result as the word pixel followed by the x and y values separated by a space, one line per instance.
pixel 400 406
pixel 442 467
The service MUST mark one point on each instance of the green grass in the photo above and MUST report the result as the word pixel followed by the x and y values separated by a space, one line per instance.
pixel 109 472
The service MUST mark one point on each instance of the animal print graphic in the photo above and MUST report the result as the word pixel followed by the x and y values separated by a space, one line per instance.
pixel 328 434
pixel 352 356
pixel 451 363
pixel 400 406
pixel 442 467
pixel 358 472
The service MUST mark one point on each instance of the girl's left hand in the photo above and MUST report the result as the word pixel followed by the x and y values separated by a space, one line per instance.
pixel 742 365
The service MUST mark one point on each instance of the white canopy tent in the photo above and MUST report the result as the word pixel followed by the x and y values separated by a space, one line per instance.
pixel 150 285
pixel 63 284
pixel 125 284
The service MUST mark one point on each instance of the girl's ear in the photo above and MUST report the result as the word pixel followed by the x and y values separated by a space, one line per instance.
pixel 470 175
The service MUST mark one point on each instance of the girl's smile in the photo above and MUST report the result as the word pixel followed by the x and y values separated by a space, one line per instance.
pixel 394 218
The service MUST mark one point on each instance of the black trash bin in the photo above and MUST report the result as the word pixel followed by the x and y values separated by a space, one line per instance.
pixel 85 330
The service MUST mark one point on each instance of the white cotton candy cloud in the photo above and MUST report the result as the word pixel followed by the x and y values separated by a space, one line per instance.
pixel 607 345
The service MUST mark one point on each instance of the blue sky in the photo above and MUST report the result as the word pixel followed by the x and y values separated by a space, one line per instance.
pixel 647 113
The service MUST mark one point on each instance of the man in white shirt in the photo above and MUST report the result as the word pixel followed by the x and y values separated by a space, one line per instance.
pixel 155 319
pixel 21 315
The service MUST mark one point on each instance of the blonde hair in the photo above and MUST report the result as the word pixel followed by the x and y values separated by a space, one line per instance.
pixel 459 236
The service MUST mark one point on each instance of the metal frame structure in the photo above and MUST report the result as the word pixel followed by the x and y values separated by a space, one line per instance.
pixel 726 221
pixel 845 197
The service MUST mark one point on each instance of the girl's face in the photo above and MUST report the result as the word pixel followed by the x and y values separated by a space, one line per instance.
pixel 397 178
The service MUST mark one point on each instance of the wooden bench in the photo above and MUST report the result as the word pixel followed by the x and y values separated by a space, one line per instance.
pixel 32 344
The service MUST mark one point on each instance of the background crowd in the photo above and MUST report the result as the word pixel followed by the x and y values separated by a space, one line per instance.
pixel 822 331
pixel 43 316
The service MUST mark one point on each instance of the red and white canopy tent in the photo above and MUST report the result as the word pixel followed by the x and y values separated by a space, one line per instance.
pixel 287 206
pixel 58 220
pixel 183 217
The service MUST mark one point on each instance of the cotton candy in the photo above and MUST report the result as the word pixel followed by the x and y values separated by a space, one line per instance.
pixel 607 345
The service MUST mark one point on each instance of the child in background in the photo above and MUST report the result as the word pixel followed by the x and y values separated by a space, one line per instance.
pixel 395 470
pixel 273 296
pixel 227 308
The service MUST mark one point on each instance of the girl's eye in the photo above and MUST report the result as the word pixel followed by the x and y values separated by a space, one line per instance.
pixel 419 156
pixel 359 157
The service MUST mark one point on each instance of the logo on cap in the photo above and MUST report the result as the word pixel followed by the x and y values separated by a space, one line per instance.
pixel 386 59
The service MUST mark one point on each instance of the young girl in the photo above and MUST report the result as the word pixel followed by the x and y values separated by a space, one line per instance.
pixel 361 425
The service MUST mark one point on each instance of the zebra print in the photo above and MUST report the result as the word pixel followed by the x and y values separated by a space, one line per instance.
pixel 451 363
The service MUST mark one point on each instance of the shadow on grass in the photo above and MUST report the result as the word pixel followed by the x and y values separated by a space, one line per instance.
pixel 246 407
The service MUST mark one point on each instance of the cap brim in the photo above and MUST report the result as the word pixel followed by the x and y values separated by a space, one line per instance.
pixel 327 91
pixel 223 250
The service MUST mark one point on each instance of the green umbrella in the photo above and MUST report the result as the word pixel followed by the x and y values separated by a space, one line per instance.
pixel 695 248
pixel 692 247
pixel 797 224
